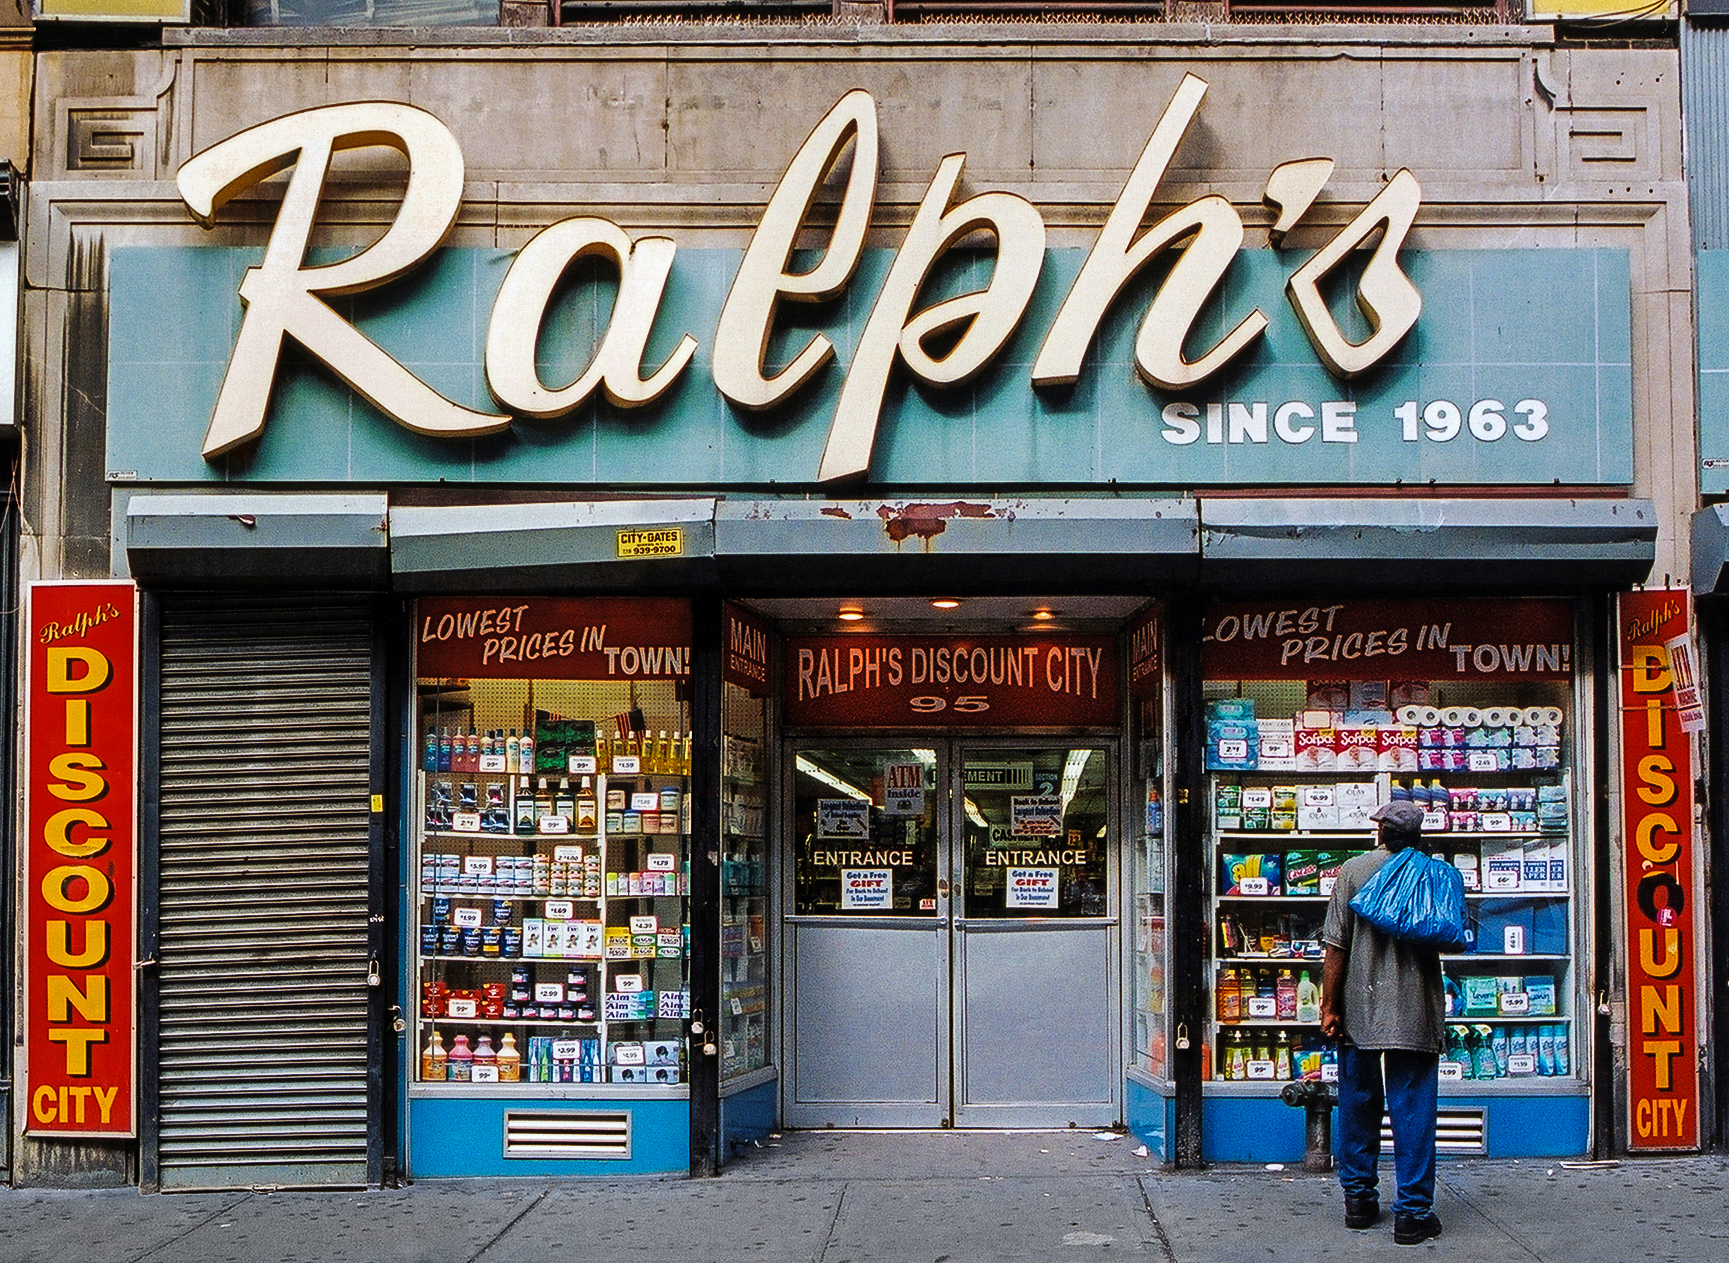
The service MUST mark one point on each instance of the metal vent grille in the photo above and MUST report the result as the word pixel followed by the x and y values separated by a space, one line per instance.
pixel 263 867
pixel 1458 1129
pixel 566 1134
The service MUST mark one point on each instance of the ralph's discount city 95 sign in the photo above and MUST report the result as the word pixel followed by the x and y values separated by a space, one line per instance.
pixel 80 895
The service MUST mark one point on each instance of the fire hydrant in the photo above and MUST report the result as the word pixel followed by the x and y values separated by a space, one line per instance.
pixel 1318 1099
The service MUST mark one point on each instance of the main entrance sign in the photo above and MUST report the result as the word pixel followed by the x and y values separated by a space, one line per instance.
pixel 943 344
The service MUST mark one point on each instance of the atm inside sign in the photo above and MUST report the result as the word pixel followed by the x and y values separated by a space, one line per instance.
pixel 665 541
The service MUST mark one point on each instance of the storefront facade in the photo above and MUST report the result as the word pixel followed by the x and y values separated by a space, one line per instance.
pixel 770 599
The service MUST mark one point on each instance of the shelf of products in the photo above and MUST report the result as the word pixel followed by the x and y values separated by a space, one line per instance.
pixel 1296 769
pixel 551 894
pixel 744 963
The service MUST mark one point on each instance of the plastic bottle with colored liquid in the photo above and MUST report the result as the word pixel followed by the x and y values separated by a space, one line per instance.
pixel 1308 999
pixel 1286 995
pixel 525 753
pixel 459 1065
pixel 445 750
pixel 432 1060
pixel 509 1060
pixel 484 1054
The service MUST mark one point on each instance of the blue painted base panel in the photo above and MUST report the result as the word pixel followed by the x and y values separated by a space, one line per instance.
pixel 453 1136
pixel 1151 1117
pixel 746 1116
pixel 1251 1129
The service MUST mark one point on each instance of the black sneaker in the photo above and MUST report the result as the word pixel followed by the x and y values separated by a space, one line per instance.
pixel 1415 1229
pixel 1361 1212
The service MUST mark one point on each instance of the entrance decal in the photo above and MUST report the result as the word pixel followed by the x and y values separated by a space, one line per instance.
pixel 80 895
pixel 1662 943
pixel 951 681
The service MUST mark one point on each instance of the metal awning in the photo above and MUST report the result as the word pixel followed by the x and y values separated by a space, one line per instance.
pixel 1532 547
pixel 806 546
pixel 958 545
pixel 1711 550
pixel 286 537
pixel 597 545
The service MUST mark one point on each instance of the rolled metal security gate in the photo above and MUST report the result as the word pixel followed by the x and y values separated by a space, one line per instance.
pixel 263 929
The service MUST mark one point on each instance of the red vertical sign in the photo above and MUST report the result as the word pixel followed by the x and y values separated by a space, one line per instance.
pixel 80 896
pixel 1657 845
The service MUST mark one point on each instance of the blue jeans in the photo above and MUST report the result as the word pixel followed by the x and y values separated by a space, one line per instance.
pixel 1409 1101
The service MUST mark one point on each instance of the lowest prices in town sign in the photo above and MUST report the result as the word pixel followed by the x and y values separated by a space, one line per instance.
pixel 79 900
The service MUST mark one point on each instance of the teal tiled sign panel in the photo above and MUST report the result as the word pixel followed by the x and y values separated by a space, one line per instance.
pixel 1713 284
pixel 1546 329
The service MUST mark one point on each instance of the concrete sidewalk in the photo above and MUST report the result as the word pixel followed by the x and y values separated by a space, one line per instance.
pixel 946 1197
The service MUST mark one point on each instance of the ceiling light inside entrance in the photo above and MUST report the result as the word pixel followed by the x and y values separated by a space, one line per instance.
pixel 850 614
pixel 945 603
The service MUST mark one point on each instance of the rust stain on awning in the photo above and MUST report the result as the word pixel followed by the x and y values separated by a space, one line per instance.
pixel 927 521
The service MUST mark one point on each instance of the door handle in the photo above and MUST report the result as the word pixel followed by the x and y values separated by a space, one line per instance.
pixel 942 888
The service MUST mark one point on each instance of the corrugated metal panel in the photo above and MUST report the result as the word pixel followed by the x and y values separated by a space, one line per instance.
pixel 1705 111
pixel 263 906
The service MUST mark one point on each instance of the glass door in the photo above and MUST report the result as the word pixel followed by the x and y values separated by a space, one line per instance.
pixel 952 938
pixel 1036 1012
pixel 868 938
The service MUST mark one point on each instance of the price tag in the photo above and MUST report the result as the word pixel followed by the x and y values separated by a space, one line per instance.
pixel 568 852
pixel 1452 1072
pixel 467 918
pixel 553 824
pixel 492 763
pixel 1263 1006
pixel 462 1008
pixel 645 802
pixel 626 765
pixel 465 822
pixel 1513 940
pixel 1252 886
pixel 737 1007
pixel 628 1055
pixel 1522 1063
pixel 1495 822
pixel 1515 1003
pixel 566 1049
pixel 1482 761
pixel 1233 750
pixel 1261 1069
pixel 582 765
pixel 626 984
pixel 661 862
pixel 1329 1072
pixel 549 993
pixel 560 909
pixel 644 925
pixel 484 1074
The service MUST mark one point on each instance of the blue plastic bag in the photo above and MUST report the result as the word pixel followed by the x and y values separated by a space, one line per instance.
pixel 1417 899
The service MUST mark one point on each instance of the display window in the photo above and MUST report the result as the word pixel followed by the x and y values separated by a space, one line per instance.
pixel 744 881
pixel 1147 854
pixel 551 874
pixel 1316 715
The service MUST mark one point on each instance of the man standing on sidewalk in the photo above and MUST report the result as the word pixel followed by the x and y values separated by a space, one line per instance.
pixel 1382 999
